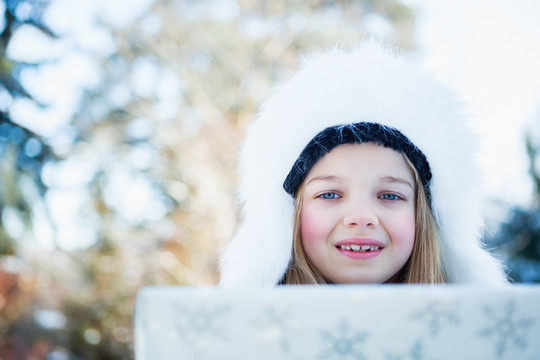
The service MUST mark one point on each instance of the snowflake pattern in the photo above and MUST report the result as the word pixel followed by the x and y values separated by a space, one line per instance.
pixel 275 327
pixel 200 326
pixel 415 353
pixel 343 344
pixel 205 327
pixel 506 328
pixel 437 314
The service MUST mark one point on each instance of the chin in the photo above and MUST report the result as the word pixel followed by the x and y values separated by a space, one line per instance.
pixel 363 279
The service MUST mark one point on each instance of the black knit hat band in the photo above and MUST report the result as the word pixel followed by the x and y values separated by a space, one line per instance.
pixel 357 133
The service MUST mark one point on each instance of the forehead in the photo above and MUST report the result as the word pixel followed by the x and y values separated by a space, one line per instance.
pixel 362 159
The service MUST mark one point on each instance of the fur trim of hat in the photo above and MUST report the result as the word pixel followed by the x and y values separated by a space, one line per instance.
pixel 370 83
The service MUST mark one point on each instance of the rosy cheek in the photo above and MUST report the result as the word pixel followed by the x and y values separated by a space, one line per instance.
pixel 407 229
pixel 310 226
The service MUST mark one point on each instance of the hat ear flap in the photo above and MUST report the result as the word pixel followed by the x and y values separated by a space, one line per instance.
pixel 260 252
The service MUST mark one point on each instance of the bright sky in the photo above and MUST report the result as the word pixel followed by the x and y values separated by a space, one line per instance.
pixel 489 50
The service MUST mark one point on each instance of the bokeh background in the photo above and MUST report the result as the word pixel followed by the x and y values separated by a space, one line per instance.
pixel 121 120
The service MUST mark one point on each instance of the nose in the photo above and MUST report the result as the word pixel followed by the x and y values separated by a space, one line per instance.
pixel 360 215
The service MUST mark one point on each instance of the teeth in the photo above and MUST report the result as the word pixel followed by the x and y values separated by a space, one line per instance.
pixel 363 248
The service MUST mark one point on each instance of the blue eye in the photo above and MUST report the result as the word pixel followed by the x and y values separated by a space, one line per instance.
pixel 329 196
pixel 389 196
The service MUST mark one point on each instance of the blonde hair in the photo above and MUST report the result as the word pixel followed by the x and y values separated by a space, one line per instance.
pixel 424 264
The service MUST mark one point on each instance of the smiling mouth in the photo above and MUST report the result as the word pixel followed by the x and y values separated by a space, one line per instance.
pixel 358 248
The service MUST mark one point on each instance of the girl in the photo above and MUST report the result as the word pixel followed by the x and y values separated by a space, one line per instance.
pixel 361 169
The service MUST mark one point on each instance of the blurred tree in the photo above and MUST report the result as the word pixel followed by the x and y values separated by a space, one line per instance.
pixel 519 235
pixel 22 155
pixel 22 152
pixel 138 186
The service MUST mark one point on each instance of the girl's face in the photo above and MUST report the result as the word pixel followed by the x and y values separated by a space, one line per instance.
pixel 358 214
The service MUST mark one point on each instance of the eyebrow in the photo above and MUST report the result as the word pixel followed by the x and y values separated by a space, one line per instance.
pixel 393 179
pixel 324 178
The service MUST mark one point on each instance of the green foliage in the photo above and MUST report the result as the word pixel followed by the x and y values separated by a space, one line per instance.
pixel 519 235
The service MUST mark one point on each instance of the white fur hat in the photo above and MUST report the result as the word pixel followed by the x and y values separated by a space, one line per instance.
pixel 368 84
